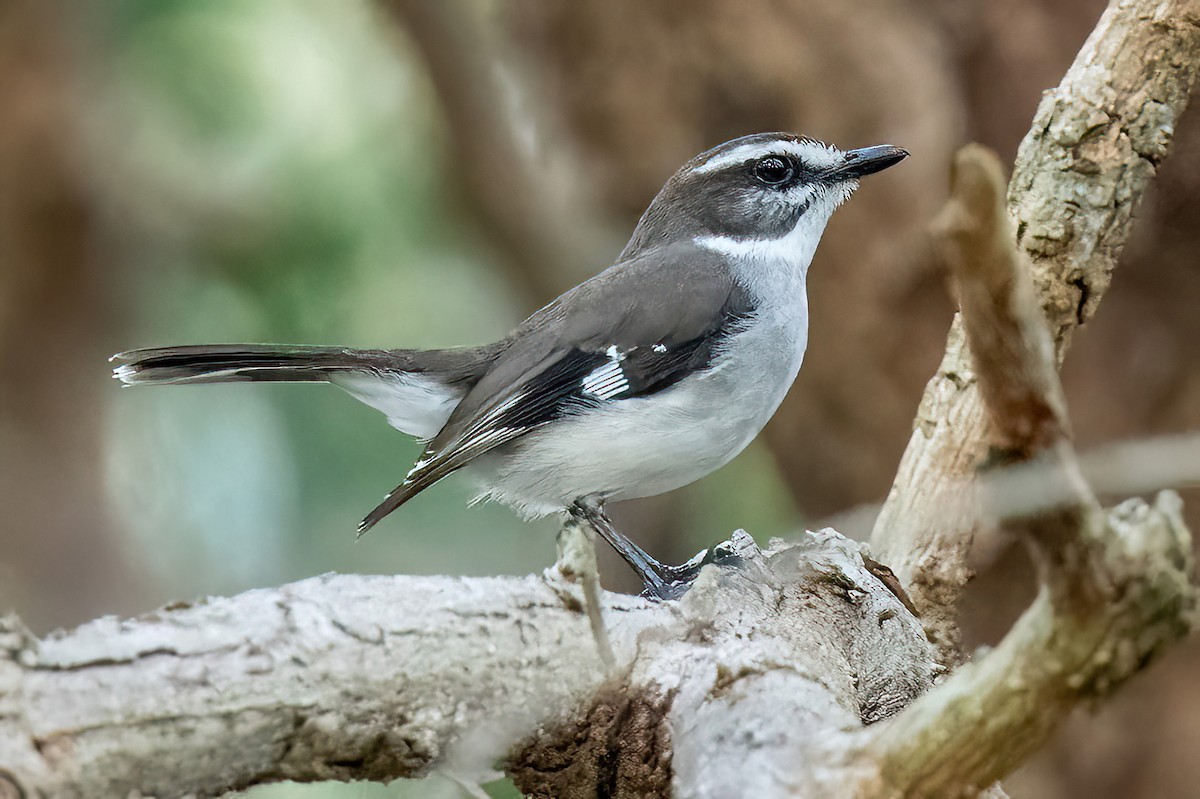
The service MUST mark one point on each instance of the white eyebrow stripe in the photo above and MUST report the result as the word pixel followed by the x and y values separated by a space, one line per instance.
pixel 810 152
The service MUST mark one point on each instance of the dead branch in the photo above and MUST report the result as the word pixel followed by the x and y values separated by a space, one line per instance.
pixel 1093 148
pixel 993 712
pixel 347 677
pixel 1116 587
pixel 1124 468
pixel 1006 332
pixel 336 677
pixel 1014 365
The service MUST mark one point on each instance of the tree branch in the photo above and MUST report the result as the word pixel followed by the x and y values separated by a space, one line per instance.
pixel 993 712
pixel 1015 369
pixel 336 677
pixel 1116 588
pixel 1006 332
pixel 1093 148
pixel 347 677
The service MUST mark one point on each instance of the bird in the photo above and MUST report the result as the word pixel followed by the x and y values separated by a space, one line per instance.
pixel 642 379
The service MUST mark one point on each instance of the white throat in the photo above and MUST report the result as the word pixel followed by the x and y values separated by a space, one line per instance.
pixel 775 269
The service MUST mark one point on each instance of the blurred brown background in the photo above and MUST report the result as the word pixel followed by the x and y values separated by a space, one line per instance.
pixel 417 174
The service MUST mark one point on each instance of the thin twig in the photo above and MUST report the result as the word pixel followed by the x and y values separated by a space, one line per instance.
pixel 1009 343
pixel 1119 469
pixel 1014 365
pixel 577 563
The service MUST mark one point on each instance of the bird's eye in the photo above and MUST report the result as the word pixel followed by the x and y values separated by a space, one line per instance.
pixel 774 170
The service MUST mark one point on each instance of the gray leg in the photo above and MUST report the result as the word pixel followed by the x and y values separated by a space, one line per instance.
pixel 660 580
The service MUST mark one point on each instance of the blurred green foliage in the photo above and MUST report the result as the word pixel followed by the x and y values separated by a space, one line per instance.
pixel 282 161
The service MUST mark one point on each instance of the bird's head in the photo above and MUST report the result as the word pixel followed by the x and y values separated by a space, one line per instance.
pixel 758 188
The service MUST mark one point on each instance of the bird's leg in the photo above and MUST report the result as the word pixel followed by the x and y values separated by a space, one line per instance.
pixel 661 581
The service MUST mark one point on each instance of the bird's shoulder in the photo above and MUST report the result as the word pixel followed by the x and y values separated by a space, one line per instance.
pixel 671 293
pixel 652 312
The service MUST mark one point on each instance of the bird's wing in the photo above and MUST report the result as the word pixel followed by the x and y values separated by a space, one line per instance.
pixel 634 330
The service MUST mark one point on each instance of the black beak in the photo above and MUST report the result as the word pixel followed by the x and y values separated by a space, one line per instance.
pixel 868 160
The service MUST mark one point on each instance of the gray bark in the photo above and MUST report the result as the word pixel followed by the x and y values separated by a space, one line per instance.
pixel 349 677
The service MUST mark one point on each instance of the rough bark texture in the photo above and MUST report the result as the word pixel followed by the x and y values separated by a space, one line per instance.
pixel 344 677
pixel 761 682
pixel 994 712
pixel 1093 148
pixel 337 677
pixel 1003 323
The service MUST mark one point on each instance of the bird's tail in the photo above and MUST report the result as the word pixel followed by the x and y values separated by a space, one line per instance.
pixel 417 389
pixel 226 363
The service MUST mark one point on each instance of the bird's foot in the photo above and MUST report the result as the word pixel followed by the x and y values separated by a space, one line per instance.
pixel 663 581
pixel 672 582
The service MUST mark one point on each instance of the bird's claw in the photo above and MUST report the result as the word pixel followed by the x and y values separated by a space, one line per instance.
pixel 672 582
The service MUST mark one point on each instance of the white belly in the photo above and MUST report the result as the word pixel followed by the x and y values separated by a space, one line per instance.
pixel 649 445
